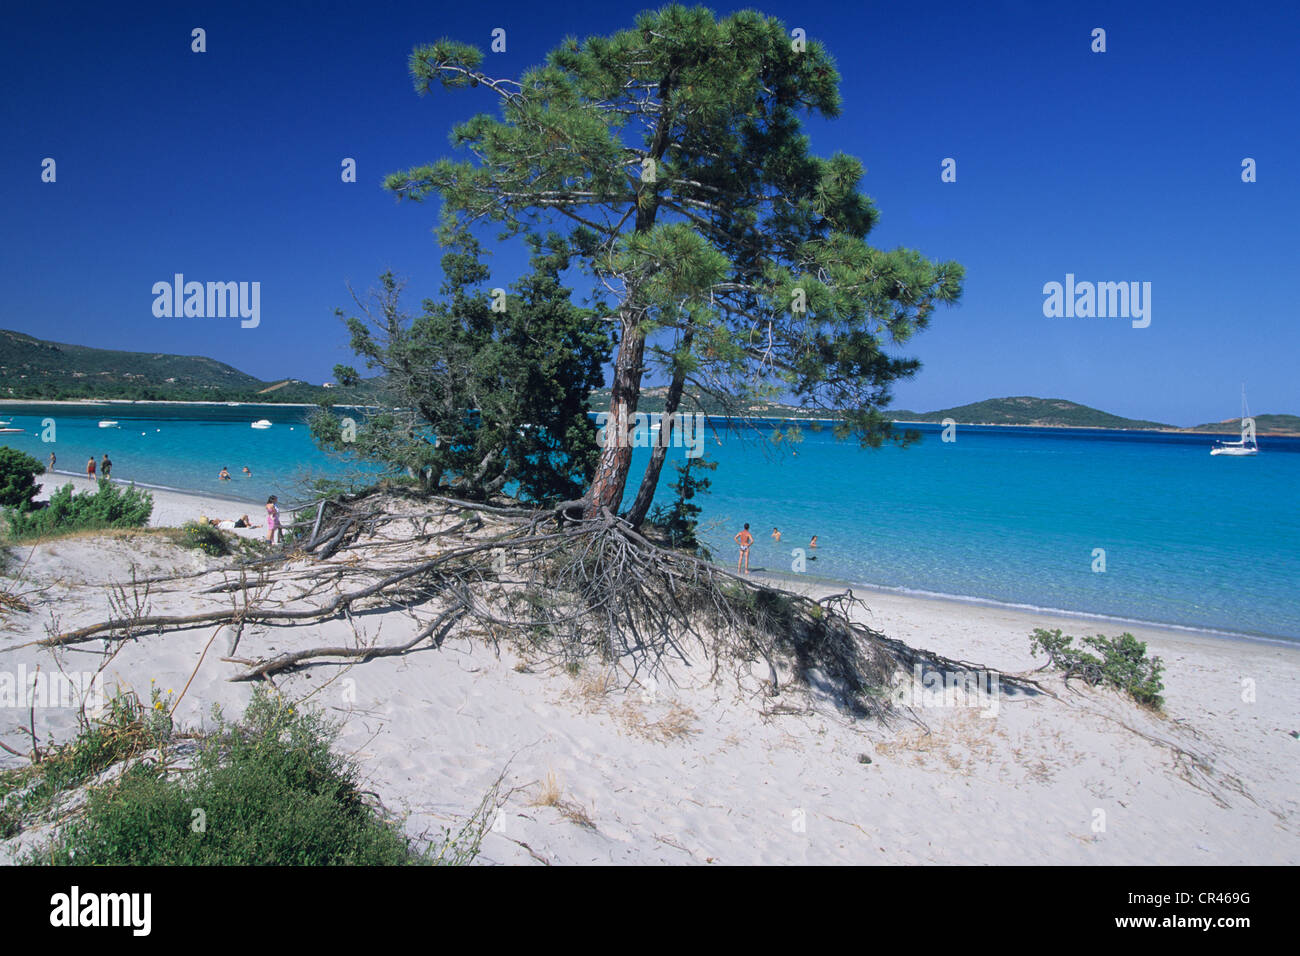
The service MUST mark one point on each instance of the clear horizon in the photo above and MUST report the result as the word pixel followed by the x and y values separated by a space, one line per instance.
pixel 1115 167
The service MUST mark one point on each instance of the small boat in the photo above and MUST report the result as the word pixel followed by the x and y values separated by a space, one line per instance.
pixel 107 424
pixel 1247 446
pixel 10 431
pixel 261 423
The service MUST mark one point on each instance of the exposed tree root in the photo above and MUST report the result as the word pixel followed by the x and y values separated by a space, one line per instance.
pixel 558 586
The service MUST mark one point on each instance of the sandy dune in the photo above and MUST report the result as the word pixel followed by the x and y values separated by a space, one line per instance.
pixel 693 771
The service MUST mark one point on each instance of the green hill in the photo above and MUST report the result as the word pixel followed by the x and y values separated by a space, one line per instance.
pixel 1264 425
pixel 37 370
pixel 1027 410
pixel 32 368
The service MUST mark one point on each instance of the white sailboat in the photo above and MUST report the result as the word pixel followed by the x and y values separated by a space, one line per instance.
pixel 1247 445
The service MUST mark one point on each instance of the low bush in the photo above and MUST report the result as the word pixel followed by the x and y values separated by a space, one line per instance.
pixel 111 506
pixel 267 790
pixel 1120 662
pixel 18 473
pixel 201 535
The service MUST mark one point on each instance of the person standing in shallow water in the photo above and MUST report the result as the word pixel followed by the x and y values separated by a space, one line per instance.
pixel 90 467
pixel 105 467
pixel 744 539
pixel 273 521
pixel 52 461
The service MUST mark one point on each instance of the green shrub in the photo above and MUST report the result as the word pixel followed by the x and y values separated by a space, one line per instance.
pixel 18 473
pixel 1122 663
pixel 268 790
pixel 111 506
pixel 201 535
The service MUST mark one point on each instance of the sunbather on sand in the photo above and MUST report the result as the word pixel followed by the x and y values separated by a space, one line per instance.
pixel 229 524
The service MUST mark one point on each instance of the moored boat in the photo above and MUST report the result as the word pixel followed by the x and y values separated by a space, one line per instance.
pixel 1247 446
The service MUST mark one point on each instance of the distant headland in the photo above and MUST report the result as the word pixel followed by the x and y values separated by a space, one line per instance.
pixel 36 370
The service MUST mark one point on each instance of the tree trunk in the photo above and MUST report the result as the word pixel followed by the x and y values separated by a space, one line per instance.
pixel 616 455
pixel 616 458
pixel 650 480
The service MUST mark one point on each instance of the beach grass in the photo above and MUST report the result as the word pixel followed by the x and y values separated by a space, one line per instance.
pixel 266 790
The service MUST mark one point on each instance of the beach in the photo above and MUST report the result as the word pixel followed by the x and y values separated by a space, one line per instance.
pixel 695 768
pixel 172 508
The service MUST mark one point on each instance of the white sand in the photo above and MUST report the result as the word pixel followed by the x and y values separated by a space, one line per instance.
pixel 701 772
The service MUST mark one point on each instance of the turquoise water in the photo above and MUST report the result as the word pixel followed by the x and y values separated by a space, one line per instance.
pixel 1005 515
pixel 179 446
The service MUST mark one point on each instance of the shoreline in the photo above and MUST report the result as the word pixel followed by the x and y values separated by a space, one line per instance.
pixel 900 614
pixel 1174 631
pixel 83 483
pixel 174 506
pixel 1190 430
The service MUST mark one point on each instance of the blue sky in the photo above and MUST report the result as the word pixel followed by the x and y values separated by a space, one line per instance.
pixel 1115 166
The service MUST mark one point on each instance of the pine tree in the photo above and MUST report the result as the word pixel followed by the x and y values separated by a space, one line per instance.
pixel 737 259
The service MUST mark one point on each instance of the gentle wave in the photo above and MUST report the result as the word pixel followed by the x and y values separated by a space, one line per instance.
pixel 1036 609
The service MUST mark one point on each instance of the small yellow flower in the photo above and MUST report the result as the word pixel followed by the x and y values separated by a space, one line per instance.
pixel 158 706
pixel 169 690
pixel 153 680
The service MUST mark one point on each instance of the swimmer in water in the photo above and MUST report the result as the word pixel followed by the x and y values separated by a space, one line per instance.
pixel 744 539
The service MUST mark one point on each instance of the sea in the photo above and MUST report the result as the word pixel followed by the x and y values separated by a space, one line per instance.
pixel 1111 525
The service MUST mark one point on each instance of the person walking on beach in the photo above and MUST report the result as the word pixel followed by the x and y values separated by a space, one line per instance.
pixel 273 521
pixel 90 468
pixel 105 467
pixel 744 539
